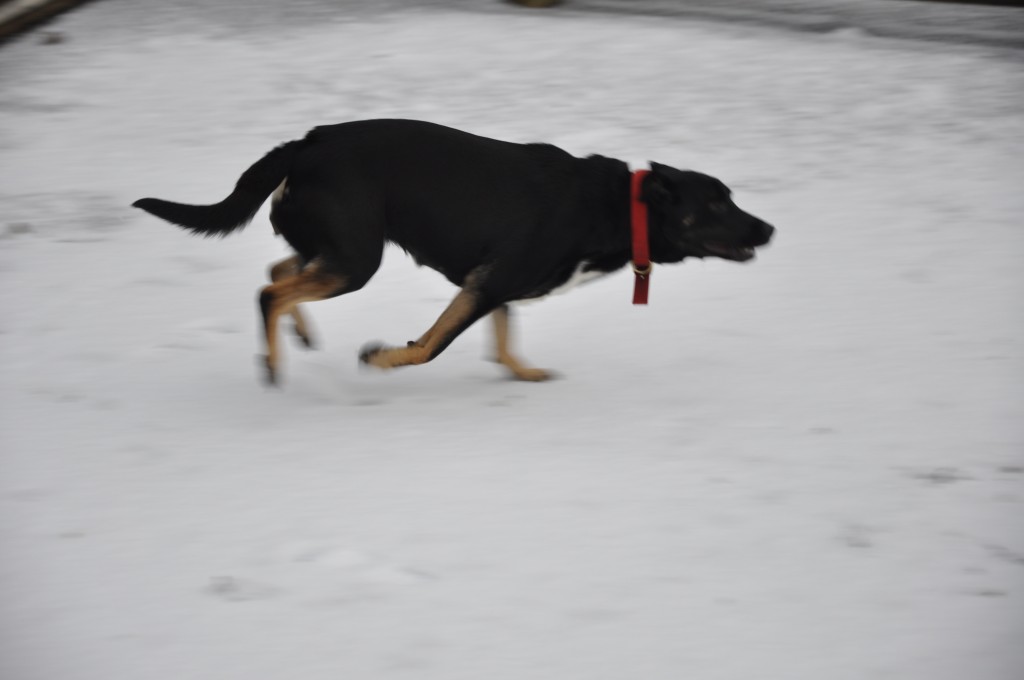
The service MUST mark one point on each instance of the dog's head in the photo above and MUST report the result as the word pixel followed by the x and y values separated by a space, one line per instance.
pixel 693 215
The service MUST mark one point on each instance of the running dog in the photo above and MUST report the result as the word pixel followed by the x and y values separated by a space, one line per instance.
pixel 504 222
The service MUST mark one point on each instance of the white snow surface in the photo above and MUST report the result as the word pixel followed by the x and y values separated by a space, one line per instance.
pixel 807 467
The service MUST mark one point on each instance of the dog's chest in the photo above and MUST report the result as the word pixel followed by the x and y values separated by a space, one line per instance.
pixel 579 276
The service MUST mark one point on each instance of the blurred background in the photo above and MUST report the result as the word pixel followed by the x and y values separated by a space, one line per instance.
pixel 808 466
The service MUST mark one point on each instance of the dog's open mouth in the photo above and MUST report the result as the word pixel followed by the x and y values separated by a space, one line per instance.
pixel 735 253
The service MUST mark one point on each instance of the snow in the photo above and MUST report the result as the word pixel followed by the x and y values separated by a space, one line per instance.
pixel 806 467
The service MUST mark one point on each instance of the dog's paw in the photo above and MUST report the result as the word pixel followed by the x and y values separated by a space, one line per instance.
pixel 305 339
pixel 535 375
pixel 269 371
pixel 517 371
pixel 369 351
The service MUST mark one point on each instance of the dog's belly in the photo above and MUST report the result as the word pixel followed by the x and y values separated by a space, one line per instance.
pixel 578 277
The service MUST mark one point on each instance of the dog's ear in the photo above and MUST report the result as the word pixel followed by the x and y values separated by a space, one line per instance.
pixel 658 187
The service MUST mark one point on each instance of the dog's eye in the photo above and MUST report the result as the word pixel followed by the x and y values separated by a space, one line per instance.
pixel 689 220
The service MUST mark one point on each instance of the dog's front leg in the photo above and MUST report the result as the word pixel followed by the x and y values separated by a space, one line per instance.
pixel 468 306
pixel 505 357
pixel 464 310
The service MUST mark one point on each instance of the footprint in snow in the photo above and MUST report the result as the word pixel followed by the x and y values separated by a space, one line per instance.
pixel 317 574
pixel 195 265
pixel 857 536
pixel 352 565
pixel 233 589
pixel 198 335
pixel 940 476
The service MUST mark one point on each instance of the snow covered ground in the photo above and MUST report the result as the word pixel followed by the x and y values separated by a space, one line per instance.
pixel 808 467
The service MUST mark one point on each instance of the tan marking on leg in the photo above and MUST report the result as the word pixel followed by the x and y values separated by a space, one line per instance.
pixel 469 284
pixel 424 339
pixel 285 268
pixel 456 317
pixel 283 296
pixel 505 357
pixel 423 349
pixel 280 271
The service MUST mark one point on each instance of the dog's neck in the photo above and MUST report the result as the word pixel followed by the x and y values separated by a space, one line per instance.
pixel 610 246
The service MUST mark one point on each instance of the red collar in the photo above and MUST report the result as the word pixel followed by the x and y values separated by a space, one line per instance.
pixel 641 248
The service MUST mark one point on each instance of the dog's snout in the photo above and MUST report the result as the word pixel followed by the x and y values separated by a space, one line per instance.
pixel 764 232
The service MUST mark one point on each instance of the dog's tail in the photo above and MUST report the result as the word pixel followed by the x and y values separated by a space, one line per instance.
pixel 238 209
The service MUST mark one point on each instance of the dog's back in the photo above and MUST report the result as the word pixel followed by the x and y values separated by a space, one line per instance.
pixel 450 198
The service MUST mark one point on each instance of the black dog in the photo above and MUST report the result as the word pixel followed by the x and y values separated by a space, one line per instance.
pixel 502 221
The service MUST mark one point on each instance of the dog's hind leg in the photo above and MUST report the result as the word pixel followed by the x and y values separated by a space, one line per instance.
pixel 505 357
pixel 278 272
pixel 467 307
pixel 314 282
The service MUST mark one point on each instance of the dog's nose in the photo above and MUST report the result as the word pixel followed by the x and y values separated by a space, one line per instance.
pixel 767 231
